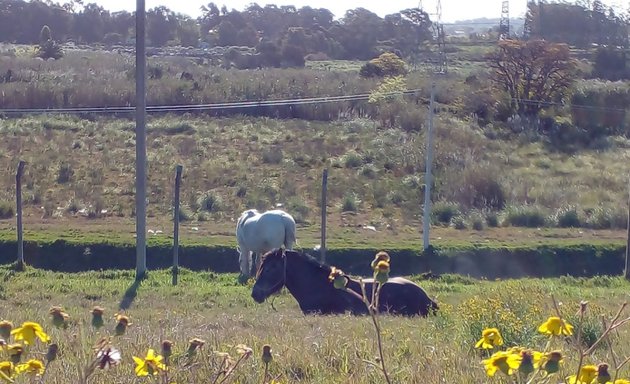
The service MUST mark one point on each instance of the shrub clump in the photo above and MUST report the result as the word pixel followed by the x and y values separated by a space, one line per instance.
pixel 386 65
pixel 606 217
pixel 567 217
pixel 350 202
pixel 210 201
pixel 443 212
pixel 7 210
pixel 530 216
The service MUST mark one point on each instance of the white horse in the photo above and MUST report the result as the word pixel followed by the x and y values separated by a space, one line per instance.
pixel 260 233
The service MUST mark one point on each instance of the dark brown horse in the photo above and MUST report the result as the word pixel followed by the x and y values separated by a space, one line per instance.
pixel 307 281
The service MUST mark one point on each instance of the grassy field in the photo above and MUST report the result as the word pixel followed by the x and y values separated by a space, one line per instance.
pixel 306 349
pixel 375 178
pixel 490 180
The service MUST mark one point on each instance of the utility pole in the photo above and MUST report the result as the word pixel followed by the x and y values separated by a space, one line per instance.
pixel 322 245
pixel 141 143
pixel 428 179
pixel 626 271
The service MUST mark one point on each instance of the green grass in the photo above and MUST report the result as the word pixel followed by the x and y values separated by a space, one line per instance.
pixel 228 160
pixel 308 349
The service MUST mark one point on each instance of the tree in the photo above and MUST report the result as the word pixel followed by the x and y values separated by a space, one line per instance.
pixel 533 72
pixel 48 48
pixel 611 64
pixel 187 31
pixel 386 65
pixel 161 25
pixel 90 23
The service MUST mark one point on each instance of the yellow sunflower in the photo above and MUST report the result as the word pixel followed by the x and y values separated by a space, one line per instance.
pixel 490 338
pixel 33 366
pixel 587 374
pixel 29 331
pixel 150 365
pixel 556 326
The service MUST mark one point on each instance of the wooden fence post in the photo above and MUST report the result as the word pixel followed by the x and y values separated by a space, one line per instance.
pixel 18 207
pixel 322 245
pixel 626 272
pixel 178 182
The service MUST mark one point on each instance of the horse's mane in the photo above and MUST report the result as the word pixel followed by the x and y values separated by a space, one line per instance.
pixel 310 260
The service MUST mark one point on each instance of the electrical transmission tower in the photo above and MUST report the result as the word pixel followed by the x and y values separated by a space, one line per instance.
pixel 439 61
pixel 504 24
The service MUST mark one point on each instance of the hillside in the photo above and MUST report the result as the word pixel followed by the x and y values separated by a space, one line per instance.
pixel 488 173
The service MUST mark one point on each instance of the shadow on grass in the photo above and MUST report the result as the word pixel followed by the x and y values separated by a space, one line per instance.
pixel 130 294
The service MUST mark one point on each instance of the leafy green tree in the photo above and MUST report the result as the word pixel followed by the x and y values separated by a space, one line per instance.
pixel 188 31
pixel 161 25
pixel 90 23
pixel 387 64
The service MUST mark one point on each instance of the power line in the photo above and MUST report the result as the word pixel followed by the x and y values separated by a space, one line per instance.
pixel 201 107
pixel 258 104
pixel 576 106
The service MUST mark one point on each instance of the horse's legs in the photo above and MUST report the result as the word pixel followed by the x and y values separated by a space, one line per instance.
pixel 259 259
pixel 245 260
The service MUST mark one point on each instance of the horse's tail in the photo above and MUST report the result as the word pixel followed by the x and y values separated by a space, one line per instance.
pixel 289 232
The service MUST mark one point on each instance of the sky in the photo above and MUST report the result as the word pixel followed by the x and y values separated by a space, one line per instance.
pixel 452 10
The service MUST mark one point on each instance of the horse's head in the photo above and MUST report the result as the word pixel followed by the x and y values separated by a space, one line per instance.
pixel 271 276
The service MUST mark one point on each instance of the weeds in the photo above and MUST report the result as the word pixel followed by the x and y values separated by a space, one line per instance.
pixel 7 210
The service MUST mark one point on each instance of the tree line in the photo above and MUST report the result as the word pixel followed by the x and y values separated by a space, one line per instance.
pixel 359 34
pixel 579 24
pixel 287 31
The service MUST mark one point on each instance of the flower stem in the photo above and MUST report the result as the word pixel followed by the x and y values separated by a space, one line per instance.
pixel 374 314
pixel 266 373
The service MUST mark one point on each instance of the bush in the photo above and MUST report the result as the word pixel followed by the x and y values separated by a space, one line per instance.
pixel 386 65
pixel 65 173
pixel 370 69
pixel 350 202
pixel 298 209
pixel 443 212
pixel 492 218
pixel 185 213
pixel 210 201
pixel 476 186
pixel 272 156
pixel 611 64
pixel 567 217
pixel 293 56
pixel 7 210
pixel 606 217
pixel 369 171
pixel 352 160
pixel 480 103
pixel 477 220
pixel 525 216
pixel 412 119
pixel 608 104
pixel 48 48
pixel 459 222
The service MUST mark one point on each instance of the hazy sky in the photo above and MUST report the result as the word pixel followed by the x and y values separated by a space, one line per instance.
pixel 452 10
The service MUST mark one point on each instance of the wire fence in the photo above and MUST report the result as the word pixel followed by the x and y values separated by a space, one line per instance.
pixel 204 107
pixel 245 104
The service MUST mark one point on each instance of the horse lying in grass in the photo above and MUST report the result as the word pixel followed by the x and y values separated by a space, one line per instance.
pixel 307 281
pixel 257 233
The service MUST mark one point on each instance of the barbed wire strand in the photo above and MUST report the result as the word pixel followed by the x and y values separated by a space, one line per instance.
pixel 211 106
pixel 260 103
